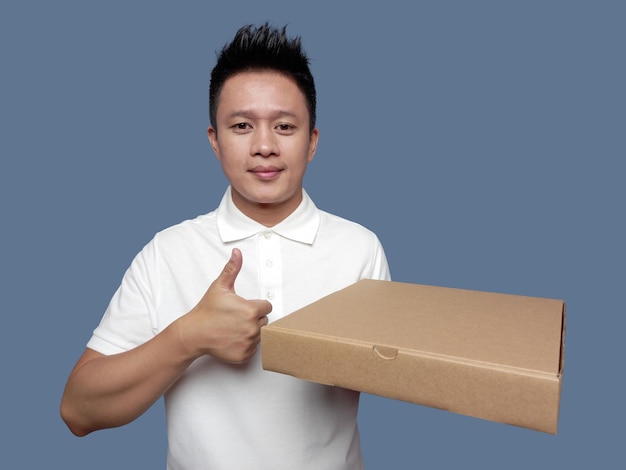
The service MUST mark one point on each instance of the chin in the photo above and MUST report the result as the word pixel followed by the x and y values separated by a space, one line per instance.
pixel 267 195
pixel 270 197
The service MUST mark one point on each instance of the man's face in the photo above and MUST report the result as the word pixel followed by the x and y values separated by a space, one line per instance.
pixel 263 143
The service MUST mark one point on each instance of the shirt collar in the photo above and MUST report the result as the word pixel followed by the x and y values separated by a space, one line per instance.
pixel 301 225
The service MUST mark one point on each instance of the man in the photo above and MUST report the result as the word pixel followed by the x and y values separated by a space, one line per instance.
pixel 165 334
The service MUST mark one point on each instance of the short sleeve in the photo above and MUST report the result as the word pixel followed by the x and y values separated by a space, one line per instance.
pixel 379 265
pixel 129 318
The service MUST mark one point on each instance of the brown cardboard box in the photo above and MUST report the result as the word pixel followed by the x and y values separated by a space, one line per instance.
pixel 492 356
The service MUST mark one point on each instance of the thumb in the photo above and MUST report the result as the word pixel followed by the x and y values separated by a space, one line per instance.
pixel 226 279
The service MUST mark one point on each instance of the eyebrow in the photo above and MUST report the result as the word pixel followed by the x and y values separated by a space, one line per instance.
pixel 251 114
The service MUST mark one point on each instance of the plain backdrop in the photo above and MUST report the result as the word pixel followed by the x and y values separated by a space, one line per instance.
pixel 483 141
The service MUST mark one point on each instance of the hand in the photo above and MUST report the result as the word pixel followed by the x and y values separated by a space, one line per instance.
pixel 223 324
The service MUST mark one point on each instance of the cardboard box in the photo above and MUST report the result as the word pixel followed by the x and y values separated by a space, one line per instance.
pixel 492 356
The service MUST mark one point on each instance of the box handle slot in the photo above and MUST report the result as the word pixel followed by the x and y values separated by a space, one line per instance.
pixel 385 353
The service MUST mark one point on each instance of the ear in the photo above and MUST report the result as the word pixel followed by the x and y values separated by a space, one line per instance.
pixel 313 139
pixel 212 134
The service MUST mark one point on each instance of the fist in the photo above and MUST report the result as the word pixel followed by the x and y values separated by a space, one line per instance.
pixel 222 324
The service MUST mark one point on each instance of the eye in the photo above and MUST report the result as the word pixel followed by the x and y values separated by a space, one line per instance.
pixel 241 127
pixel 285 128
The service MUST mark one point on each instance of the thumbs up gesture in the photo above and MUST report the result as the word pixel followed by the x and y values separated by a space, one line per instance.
pixel 222 324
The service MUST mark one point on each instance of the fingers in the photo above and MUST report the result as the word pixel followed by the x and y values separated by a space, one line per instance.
pixel 261 308
pixel 241 330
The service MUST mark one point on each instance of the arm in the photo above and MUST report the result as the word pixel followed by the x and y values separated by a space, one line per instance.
pixel 108 391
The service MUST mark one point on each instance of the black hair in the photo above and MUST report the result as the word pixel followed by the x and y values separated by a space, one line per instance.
pixel 263 48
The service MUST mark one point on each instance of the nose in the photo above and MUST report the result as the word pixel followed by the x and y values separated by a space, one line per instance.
pixel 264 143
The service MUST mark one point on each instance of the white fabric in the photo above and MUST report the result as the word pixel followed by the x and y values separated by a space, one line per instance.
pixel 222 416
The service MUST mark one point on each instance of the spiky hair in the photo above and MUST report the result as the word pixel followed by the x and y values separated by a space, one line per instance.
pixel 263 48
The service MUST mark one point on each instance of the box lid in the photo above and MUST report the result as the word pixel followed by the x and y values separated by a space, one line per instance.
pixel 501 330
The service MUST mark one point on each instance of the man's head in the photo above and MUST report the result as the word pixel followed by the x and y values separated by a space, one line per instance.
pixel 263 48
pixel 263 121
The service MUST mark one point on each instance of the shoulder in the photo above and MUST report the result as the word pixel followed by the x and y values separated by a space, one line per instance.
pixel 339 226
pixel 176 240
pixel 347 235
pixel 187 230
pixel 351 244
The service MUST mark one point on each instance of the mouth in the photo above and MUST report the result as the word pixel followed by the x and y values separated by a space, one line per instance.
pixel 265 172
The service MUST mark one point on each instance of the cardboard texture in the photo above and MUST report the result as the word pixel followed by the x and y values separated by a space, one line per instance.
pixel 493 356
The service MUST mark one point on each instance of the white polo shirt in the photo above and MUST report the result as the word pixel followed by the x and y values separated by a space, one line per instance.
pixel 224 416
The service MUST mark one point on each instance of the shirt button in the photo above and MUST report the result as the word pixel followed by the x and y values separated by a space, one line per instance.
pixel 267 235
pixel 268 263
pixel 270 294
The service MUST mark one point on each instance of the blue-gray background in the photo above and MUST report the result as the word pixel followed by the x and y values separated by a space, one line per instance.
pixel 482 141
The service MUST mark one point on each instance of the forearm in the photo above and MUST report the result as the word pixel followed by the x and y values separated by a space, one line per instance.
pixel 109 391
